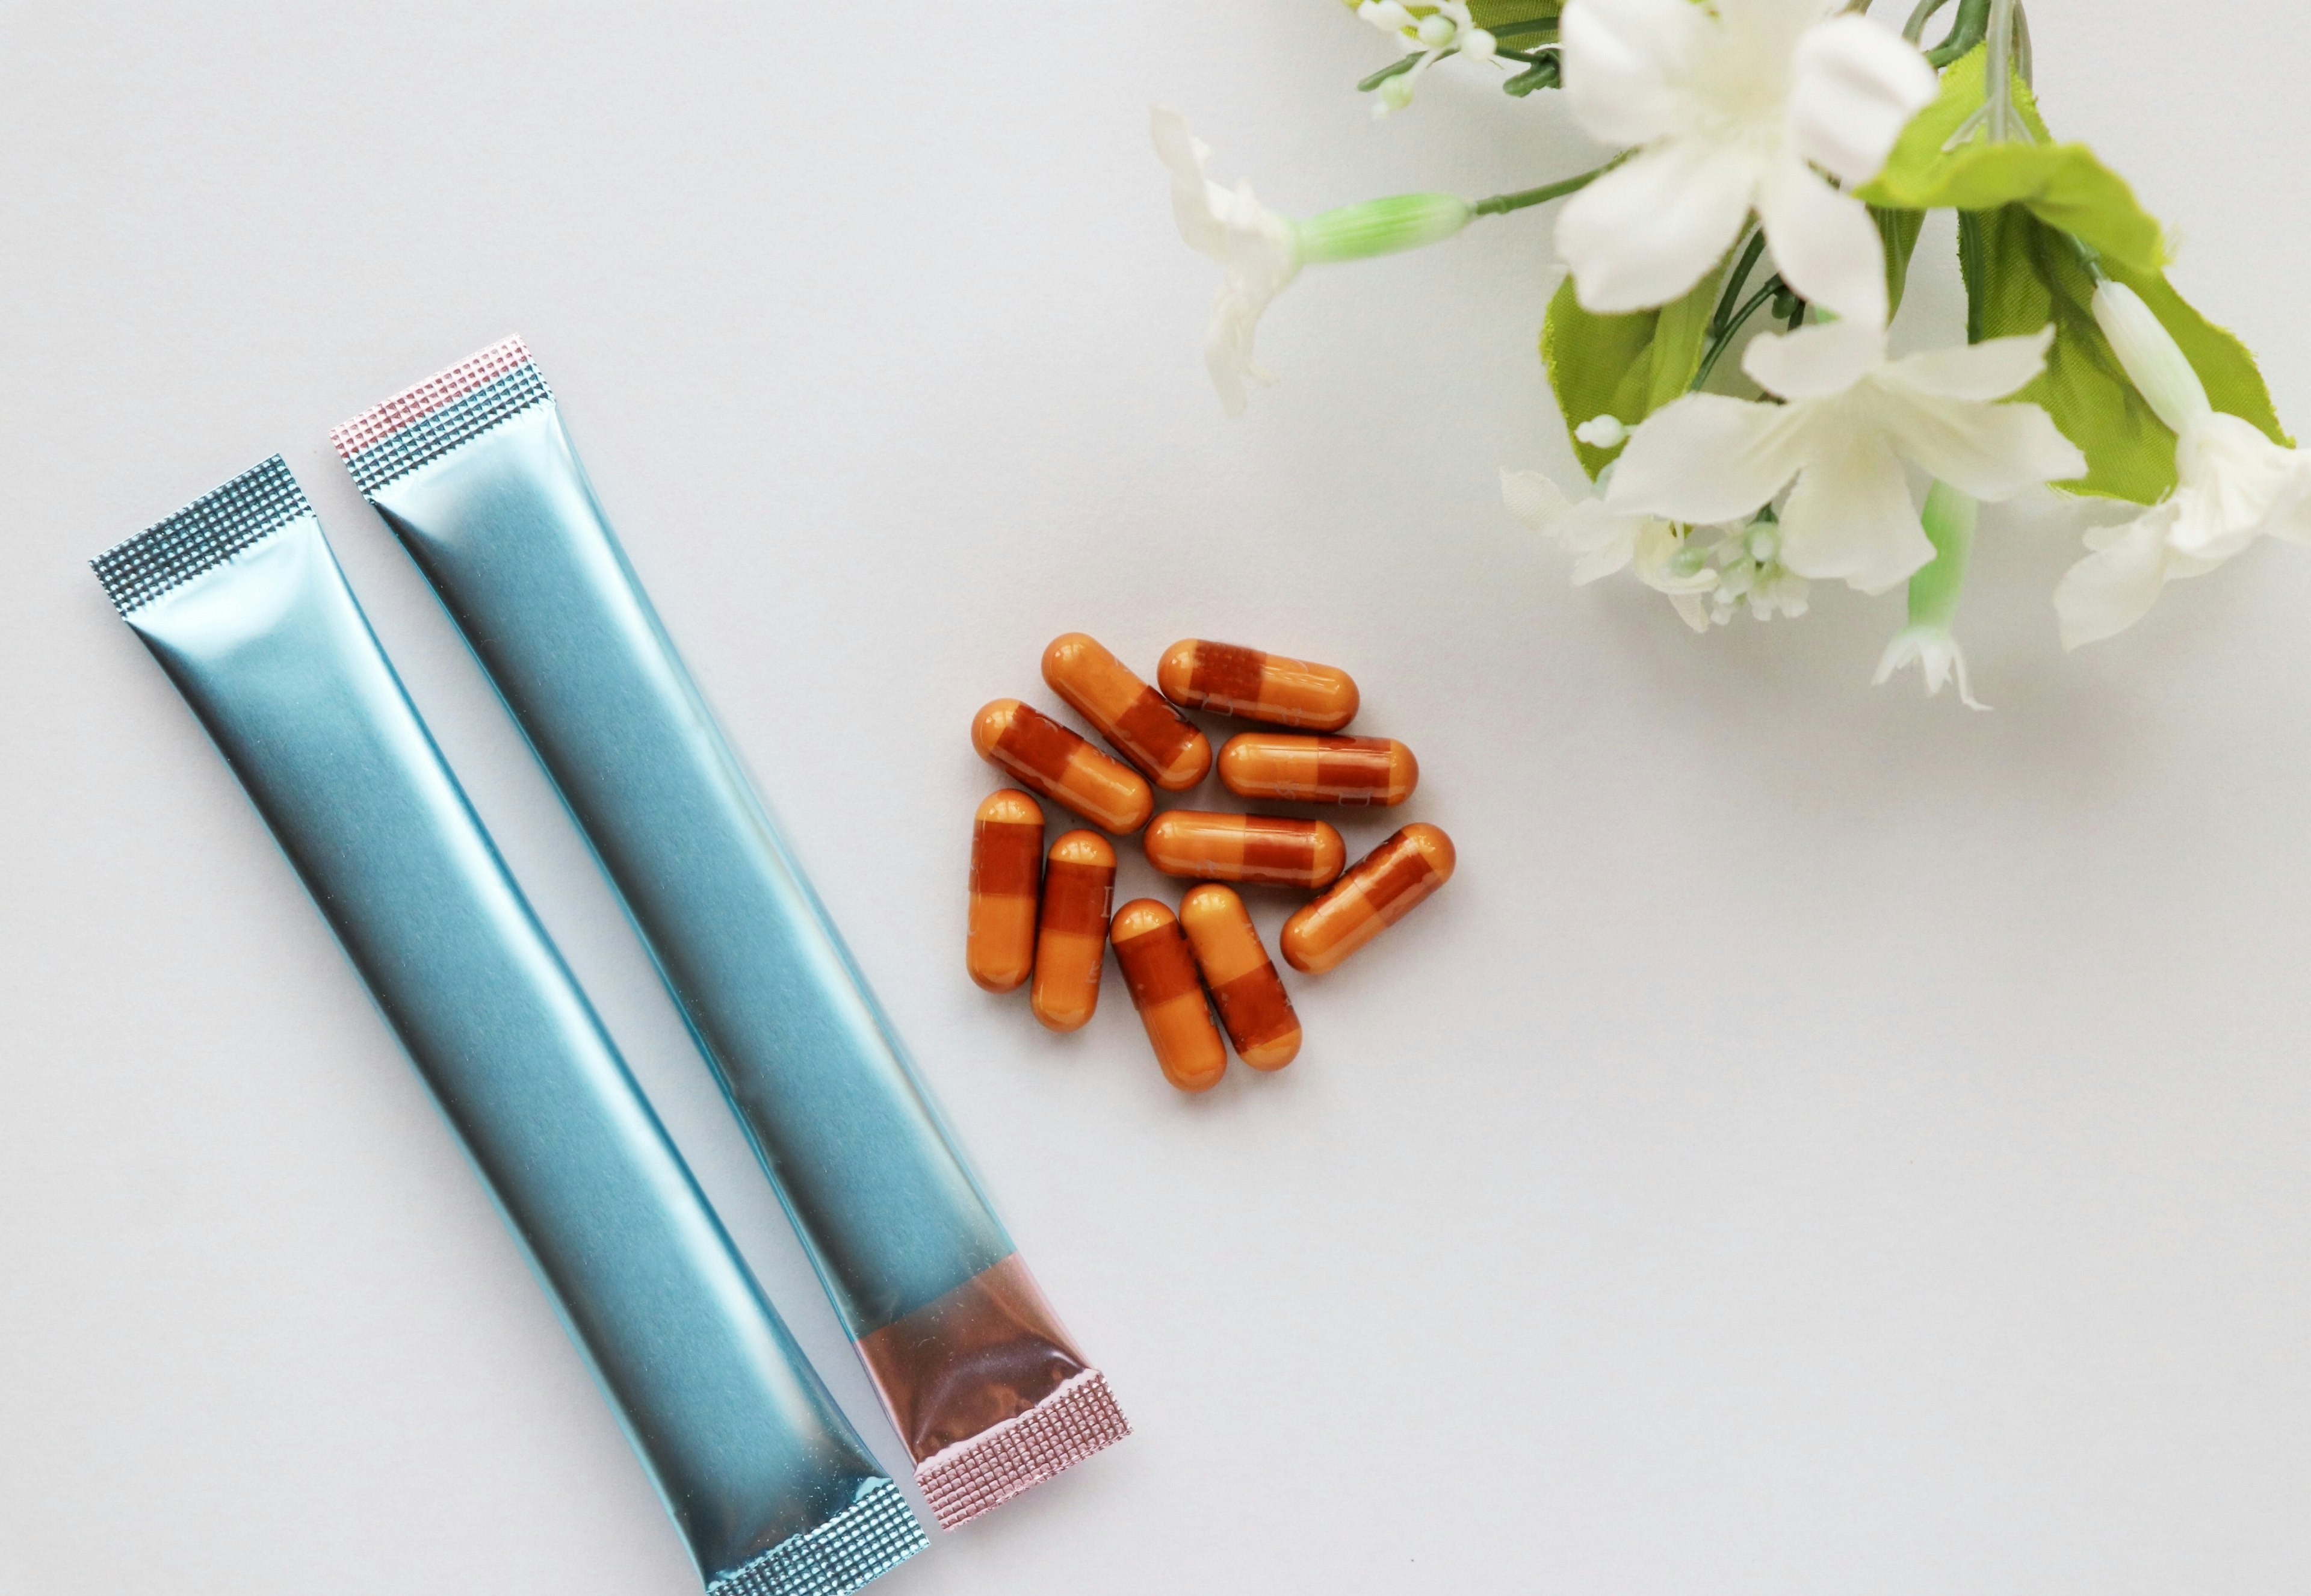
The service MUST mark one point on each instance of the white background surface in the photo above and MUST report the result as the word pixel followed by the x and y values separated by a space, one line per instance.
pixel 1822 1142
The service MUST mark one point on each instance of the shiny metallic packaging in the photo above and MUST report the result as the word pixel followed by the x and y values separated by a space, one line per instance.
pixel 476 473
pixel 241 601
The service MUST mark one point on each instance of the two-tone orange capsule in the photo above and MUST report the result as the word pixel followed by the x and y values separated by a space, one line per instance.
pixel 1072 936
pixel 1007 871
pixel 1049 759
pixel 1132 716
pixel 1250 995
pixel 1322 769
pixel 1160 970
pixel 1227 680
pixel 1383 889
pixel 1267 849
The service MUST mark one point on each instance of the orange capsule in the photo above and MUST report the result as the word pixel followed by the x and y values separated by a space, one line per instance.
pixel 1227 680
pixel 1274 764
pixel 1006 872
pixel 1161 972
pixel 1130 714
pixel 1049 758
pixel 1071 941
pixel 1245 987
pixel 1258 848
pixel 1381 890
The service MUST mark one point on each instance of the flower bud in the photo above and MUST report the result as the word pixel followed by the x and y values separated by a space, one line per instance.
pixel 2161 372
pixel 1382 226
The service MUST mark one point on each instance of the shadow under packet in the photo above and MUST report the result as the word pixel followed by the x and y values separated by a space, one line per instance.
pixel 241 599
pixel 475 473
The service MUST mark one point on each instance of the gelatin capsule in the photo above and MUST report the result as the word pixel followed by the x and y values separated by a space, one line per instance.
pixel 1381 890
pixel 1265 848
pixel 1227 680
pixel 1161 972
pixel 1273 764
pixel 1253 1005
pixel 1049 759
pixel 1132 716
pixel 1006 874
pixel 1071 938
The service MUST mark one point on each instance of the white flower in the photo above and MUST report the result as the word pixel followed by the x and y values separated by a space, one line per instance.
pixel 1432 33
pixel 1258 247
pixel 1852 417
pixel 1750 574
pixel 2236 486
pixel 1264 251
pixel 1602 541
pixel 1936 654
pixel 1732 106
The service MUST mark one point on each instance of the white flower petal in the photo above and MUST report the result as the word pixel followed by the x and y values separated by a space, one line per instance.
pixel 1623 61
pixel 1534 498
pixel 1706 459
pixel 1658 548
pixel 1692 609
pixel 1646 232
pixel 1194 198
pixel 1817 361
pixel 1853 87
pixel 1990 370
pixel 2241 485
pixel 1850 518
pixel 1824 242
pixel 1991 451
pixel 1936 654
pixel 2114 587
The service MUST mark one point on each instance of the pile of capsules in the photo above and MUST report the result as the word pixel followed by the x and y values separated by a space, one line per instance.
pixel 1048 918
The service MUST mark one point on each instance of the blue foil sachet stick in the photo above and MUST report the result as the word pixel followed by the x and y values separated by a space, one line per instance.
pixel 475 473
pixel 239 599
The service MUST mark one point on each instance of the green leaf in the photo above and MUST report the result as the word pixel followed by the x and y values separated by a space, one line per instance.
pixel 1898 231
pixel 1525 20
pixel 2062 185
pixel 1625 366
pixel 2025 275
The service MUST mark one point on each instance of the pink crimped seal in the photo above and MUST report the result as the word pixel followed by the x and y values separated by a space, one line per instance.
pixel 437 392
pixel 1076 1420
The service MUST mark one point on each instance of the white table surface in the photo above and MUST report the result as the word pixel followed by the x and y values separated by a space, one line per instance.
pixel 1823 1141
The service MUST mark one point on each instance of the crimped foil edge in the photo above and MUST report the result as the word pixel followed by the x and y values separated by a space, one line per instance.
pixel 1076 1420
pixel 202 536
pixel 419 400
pixel 866 1540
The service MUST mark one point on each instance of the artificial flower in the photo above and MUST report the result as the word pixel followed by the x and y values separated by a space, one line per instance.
pixel 1731 108
pixel 1432 33
pixel 1664 556
pixel 1751 575
pixel 2236 486
pixel 1263 251
pixel 1936 654
pixel 1853 416
pixel 1927 641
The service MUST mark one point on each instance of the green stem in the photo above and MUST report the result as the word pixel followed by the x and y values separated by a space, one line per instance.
pixel 1721 341
pixel 1523 29
pixel 1395 69
pixel 1998 71
pixel 1721 322
pixel 1915 28
pixel 1972 24
pixel 1501 204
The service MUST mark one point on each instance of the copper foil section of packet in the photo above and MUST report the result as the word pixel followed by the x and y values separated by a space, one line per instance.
pixel 989 1392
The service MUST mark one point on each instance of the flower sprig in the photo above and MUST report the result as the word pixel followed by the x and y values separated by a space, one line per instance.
pixel 1719 348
